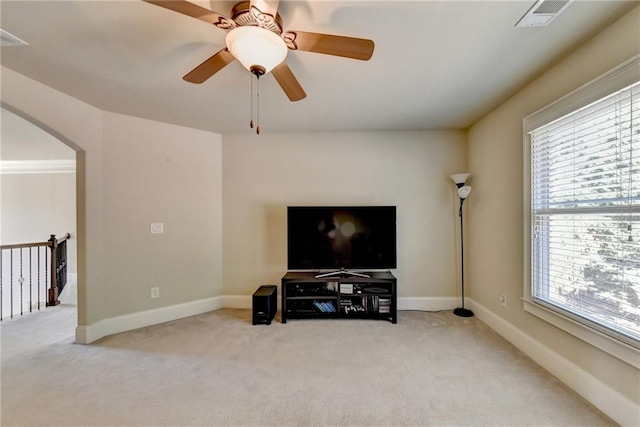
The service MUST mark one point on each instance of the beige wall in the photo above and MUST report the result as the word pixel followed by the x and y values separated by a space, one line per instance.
pixel 35 205
pixel 496 210
pixel 264 174
pixel 160 173
pixel 131 172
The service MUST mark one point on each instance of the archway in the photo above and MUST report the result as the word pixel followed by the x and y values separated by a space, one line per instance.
pixel 42 192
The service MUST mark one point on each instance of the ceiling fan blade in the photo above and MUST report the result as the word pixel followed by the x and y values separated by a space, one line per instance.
pixel 288 82
pixel 196 11
pixel 209 67
pixel 347 47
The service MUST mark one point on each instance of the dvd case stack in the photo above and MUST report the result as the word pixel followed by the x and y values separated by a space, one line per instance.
pixel 325 306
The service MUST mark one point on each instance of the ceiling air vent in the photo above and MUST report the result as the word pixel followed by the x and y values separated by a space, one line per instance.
pixel 543 12
pixel 8 39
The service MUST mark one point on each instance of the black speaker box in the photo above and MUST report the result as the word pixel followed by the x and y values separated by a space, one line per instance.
pixel 265 304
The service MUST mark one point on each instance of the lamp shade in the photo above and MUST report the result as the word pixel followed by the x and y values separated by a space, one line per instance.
pixel 255 46
pixel 460 178
pixel 464 192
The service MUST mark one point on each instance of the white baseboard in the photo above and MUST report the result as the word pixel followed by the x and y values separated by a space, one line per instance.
pixel 114 325
pixel 238 301
pixel 616 406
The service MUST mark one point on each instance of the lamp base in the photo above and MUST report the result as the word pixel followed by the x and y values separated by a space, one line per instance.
pixel 463 312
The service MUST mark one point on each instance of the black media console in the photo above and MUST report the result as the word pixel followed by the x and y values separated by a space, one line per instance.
pixel 305 296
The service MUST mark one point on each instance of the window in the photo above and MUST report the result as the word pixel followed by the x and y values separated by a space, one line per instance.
pixel 584 206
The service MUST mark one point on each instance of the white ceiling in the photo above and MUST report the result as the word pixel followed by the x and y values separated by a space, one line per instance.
pixel 436 65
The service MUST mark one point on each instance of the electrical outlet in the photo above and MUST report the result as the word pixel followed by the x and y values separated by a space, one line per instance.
pixel 503 300
pixel 155 292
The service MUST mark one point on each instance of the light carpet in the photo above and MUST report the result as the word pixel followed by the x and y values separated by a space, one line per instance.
pixel 217 369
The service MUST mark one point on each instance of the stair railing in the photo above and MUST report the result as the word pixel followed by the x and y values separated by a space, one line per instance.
pixel 58 267
pixel 31 278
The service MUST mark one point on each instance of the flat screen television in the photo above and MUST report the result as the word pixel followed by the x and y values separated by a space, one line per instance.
pixel 341 237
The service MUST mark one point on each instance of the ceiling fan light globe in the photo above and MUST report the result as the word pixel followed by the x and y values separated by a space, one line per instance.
pixel 256 47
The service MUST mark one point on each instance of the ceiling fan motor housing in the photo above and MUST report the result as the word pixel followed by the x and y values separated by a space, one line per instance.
pixel 244 15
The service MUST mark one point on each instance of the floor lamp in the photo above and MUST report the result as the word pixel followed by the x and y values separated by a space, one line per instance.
pixel 463 193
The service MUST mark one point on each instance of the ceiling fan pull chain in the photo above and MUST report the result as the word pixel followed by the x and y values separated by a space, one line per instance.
pixel 251 122
pixel 258 104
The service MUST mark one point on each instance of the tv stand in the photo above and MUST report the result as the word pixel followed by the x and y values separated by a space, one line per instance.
pixel 340 273
pixel 368 295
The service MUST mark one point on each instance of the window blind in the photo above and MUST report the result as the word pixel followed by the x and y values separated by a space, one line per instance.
pixel 585 214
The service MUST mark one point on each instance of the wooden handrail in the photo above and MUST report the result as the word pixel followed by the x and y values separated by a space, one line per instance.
pixel 64 238
pixel 35 244
pixel 25 245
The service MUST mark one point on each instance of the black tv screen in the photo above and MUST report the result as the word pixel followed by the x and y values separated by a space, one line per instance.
pixel 341 237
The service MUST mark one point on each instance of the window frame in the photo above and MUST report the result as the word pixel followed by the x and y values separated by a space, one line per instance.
pixel 610 82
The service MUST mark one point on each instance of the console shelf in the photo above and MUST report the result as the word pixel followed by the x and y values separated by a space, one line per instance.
pixel 342 297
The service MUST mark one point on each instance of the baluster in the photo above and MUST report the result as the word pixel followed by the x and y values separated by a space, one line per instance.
pixel 30 280
pixel 11 284
pixel 39 282
pixel 21 282
pixel 1 289
pixel 46 275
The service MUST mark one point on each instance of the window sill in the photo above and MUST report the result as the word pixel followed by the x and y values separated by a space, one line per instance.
pixel 615 348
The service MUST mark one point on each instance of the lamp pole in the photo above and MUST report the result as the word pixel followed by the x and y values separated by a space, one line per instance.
pixel 463 193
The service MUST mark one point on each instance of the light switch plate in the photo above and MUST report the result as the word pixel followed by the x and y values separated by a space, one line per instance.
pixel 157 228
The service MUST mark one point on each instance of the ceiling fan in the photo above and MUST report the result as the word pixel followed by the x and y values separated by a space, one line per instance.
pixel 257 39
